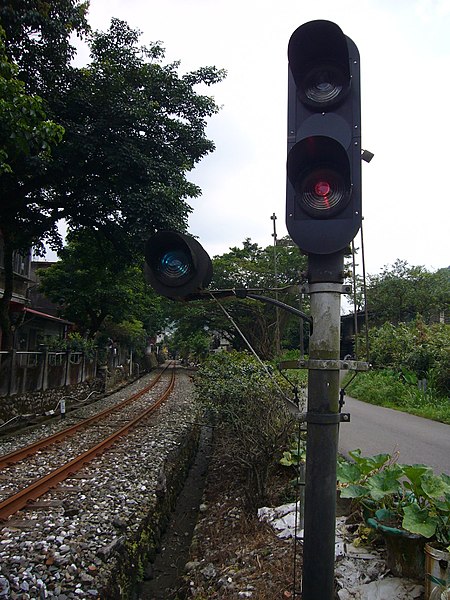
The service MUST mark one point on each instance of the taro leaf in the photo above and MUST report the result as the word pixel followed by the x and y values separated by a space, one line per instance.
pixel 415 472
pixel 384 483
pixel 355 454
pixel 368 464
pixel 348 472
pixel 434 486
pixel 378 460
pixel 354 491
pixel 384 515
pixel 418 520
pixel 443 506
pixel 415 475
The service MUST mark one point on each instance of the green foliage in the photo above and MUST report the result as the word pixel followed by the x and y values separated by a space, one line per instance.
pixel 296 455
pixel 387 388
pixel 192 346
pixel 129 332
pixel 249 266
pixel 419 347
pixel 250 412
pixel 134 127
pixel 401 292
pixel 93 288
pixel 406 351
pixel 410 497
pixel 139 129
pixel 253 267
pixel 38 35
pixel 24 128
pixel 403 355
pixel 73 343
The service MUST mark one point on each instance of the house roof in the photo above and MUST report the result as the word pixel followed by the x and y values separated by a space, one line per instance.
pixel 42 315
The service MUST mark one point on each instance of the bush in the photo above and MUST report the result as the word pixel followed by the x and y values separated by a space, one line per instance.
pixel 74 342
pixel 422 349
pixel 392 389
pixel 251 414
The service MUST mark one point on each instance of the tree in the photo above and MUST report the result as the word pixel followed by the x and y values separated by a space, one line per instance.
pixel 133 129
pixel 38 35
pixel 400 293
pixel 26 138
pixel 92 286
pixel 194 346
pixel 250 267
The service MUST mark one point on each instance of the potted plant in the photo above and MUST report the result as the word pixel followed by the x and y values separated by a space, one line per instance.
pixel 408 504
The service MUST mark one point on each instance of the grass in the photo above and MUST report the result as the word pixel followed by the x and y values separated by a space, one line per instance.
pixel 386 388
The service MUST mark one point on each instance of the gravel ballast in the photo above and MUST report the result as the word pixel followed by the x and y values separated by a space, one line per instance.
pixel 91 536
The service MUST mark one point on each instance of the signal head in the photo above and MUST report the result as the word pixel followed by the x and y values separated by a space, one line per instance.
pixel 176 264
pixel 323 195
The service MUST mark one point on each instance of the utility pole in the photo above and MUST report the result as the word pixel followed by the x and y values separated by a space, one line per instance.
pixel 275 268
pixel 325 277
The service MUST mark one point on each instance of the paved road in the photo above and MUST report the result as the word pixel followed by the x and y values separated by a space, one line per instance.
pixel 375 429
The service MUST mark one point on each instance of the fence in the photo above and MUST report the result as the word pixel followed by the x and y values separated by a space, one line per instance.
pixel 22 372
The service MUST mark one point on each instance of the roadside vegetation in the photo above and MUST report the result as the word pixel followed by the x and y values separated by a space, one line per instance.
pixel 411 369
pixel 386 388
pixel 408 341
pixel 252 423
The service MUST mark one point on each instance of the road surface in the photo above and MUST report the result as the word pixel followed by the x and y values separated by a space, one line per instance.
pixel 375 429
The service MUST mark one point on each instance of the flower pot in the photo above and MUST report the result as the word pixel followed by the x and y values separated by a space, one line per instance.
pixel 437 573
pixel 404 551
pixel 405 555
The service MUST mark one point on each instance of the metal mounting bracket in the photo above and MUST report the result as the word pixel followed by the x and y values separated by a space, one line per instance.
pixel 327 419
pixel 313 288
pixel 325 365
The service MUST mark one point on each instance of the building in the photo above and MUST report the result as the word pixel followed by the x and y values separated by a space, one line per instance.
pixel 33 317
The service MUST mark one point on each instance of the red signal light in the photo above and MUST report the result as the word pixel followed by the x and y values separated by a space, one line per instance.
pixel 323 193
pixel 322 188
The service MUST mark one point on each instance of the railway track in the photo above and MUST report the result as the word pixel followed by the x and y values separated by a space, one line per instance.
pixel 106 434
pixel 30 449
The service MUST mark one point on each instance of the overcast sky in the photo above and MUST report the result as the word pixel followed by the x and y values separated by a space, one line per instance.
pixel 405 79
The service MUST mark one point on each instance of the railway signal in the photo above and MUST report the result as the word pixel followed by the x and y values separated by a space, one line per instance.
pixel 176 265
pixel 323 199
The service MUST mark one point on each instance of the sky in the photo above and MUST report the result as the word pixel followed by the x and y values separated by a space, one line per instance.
pixel 404 47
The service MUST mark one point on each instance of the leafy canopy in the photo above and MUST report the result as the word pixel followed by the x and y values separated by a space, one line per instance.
pixel 133 128
pixel 93 288
pixel 401 292
pixel 251 267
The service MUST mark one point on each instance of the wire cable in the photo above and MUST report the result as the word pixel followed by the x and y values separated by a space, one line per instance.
pixel 297 501
pixel 252 350
pixel 366 312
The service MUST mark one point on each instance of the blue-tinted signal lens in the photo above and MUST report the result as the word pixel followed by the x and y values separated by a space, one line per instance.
pixel 175 264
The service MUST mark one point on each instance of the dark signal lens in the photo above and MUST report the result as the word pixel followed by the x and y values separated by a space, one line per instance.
pixel 175 265
pixel 324 85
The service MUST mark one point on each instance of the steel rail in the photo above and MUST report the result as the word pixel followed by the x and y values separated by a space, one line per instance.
pixel 17 455
pixel 39 487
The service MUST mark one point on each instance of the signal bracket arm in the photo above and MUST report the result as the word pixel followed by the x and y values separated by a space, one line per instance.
pixel 243 293
pixel 295 311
